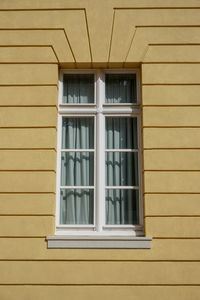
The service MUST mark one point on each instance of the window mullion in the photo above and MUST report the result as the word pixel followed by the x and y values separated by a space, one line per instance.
pixel 100 149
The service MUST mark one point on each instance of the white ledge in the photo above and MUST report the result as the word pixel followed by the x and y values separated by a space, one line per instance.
pixel 81 242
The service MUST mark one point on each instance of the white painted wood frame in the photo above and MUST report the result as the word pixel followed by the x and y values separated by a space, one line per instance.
pixel 99 110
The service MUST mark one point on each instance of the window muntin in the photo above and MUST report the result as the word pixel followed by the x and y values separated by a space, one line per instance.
pixel 112 207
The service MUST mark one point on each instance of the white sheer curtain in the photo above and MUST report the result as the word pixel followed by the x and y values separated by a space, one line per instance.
pixel 121 206
pixel 77 169
pixel 121 88
pixel 76 206
pixel 78 88
pixel 121 170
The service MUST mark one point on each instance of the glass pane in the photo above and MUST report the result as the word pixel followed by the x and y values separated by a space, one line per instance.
pixel 77 133
pixel 77 168
pixel 121 88
pixel 122 207
pixel 121 169
pixel 121 133
pixel 76 206
pixel 78 88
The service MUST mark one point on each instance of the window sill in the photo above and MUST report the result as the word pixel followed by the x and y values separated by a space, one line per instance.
pixel 98 242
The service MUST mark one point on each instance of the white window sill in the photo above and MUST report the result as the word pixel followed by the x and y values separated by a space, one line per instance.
pixel 97 242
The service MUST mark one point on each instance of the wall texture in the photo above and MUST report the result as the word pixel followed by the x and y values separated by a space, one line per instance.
pixel 163 39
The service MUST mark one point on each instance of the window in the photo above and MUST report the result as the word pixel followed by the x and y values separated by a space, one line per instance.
pixel 99 182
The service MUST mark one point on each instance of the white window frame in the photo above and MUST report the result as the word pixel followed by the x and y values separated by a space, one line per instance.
pixel 99 110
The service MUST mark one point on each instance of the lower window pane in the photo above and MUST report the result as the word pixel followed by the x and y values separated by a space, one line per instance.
pixel 77 168
pixel 122 168
pixel 122 207
pixel 76 206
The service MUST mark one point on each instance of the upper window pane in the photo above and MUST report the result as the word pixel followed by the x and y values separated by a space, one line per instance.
pixel 78 133
pixel 121 88
pixel 78 88
pixel 121 133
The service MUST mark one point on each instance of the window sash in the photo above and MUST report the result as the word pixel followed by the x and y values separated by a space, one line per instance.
pixel 100 110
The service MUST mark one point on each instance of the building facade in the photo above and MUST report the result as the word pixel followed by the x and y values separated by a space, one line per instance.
pixel 158 43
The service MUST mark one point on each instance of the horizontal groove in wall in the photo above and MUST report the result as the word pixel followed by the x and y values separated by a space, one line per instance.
pixel 28 106
pixel 29 127
pixel 169 63
pixel 170 193
pixel 171 148
pixel 50 193
pixel 42 9
pixel 28 63
pixel 25 46
pixel 169 127
pixel 31 149
pixel 22 237
pixel 176 238
pixel 103 285
pixel 99 260
pixel 157 7
pixel 173 44
pixel 27 215
pixel 167 26
pixel 44 237
pixel 171 216
pixel 181 193
pixel 171 105
pixel 10 85
pixel 146 170
pixel 31 28
pixel 27 193
pixel 25 63
pixel 115 8
pixel 168 84
pixel 24 170
pixel 21 192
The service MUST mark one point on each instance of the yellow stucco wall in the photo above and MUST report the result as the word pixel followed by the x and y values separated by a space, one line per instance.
pixel 163 39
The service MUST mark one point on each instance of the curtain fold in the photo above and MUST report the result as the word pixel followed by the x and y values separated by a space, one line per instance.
pixel 121 133
pixel 121 88
pixel 78 88
pixel 77 133
pixel 122 169
pixel 76 206
pixel 122 207
pixel 77 169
